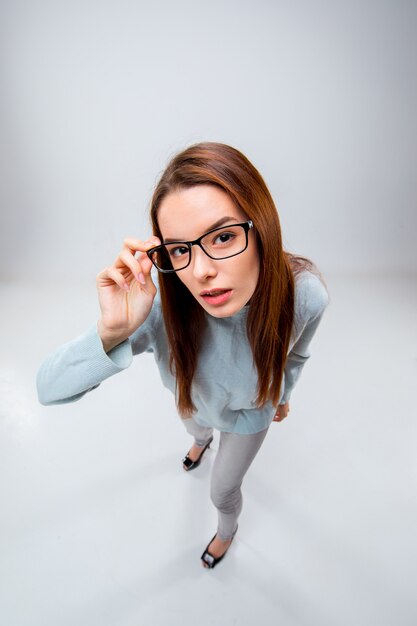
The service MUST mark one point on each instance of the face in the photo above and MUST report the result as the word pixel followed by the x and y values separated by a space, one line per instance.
pixel 221 286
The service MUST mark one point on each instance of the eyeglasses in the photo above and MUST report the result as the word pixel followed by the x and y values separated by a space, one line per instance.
pixel 219 243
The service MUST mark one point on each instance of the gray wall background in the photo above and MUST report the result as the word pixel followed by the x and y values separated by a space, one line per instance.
pixel 97 95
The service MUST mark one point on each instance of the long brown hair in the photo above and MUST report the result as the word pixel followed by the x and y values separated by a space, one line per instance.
pixel 271 308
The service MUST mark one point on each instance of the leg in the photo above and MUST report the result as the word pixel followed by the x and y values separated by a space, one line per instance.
pixel 200 433
pixel 202 436
pixel 235 455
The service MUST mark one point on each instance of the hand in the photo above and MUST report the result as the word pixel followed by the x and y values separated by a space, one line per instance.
pixel 125 292
pixel 282 411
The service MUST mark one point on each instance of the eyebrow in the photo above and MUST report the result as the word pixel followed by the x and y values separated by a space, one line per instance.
pixel 217 224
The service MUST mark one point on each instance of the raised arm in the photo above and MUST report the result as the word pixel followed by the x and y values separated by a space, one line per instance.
pixel 126 294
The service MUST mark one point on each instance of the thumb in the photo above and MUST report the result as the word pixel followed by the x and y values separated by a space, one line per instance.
pixel 146 265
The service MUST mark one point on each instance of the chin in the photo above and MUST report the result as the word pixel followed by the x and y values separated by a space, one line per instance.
pixel 226 311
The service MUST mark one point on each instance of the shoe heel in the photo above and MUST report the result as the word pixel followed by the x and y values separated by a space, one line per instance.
pixel 190 465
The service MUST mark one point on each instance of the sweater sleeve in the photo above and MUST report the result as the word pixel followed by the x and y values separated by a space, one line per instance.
pixel 81 365
pixel 311 301
pixel 78 367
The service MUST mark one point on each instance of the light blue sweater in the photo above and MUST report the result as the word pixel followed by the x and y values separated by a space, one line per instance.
pixel 225 382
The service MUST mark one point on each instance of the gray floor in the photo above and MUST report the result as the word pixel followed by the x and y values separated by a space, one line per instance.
pixel 100 525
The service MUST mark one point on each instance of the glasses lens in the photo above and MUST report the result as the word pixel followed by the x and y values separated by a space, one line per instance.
pixel 225 242
pixel 171 257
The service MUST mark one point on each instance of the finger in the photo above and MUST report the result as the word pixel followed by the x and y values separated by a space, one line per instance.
pixel 136 249
pixel 134 265
pixel 112 275
pixel 137 245
pixel 146 265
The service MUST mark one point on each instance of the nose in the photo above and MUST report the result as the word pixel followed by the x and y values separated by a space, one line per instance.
pixel 202 265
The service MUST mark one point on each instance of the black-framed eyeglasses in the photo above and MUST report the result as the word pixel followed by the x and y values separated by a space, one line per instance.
pixel 219 243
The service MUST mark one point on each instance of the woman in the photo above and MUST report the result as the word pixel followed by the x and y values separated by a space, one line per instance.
pixel 230 327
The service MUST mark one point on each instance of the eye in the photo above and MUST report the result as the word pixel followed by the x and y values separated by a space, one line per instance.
pixel 224 238
pixel 178 251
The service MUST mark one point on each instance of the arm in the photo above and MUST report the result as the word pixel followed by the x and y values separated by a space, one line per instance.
pixel 311 301
pixel 83 364
pixel 78 367
pixel 126 295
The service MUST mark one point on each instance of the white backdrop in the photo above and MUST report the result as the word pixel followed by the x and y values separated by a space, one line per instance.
pixel 99 524
pixel 97 95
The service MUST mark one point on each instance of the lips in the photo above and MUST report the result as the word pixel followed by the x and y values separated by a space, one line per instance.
pixel 216 297
pixel 214 292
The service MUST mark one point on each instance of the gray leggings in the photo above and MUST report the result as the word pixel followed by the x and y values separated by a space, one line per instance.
pixel 235 455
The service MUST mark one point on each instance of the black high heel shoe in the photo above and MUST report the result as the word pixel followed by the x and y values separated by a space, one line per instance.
pixel 188 464
pixel 210 561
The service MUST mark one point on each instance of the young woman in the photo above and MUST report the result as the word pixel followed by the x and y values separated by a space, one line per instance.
pixel 230 327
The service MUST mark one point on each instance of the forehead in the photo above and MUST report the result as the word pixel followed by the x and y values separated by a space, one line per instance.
pixel 186 214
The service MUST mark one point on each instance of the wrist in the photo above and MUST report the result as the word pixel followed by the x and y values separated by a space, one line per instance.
pixel 109 339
